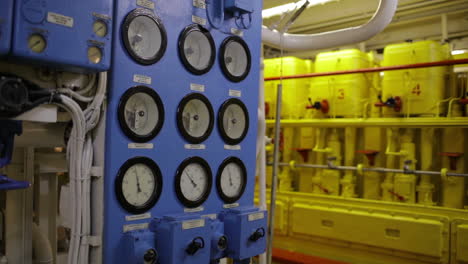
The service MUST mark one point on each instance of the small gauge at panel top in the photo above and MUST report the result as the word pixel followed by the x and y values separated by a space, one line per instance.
pixel 195 118
pixel 37 43
pixel 231 179
pixel 193 182
pixel 197 49
pixel 100 28
pixel 144 36
pixel 141 113
pixel 138 185
pixel 233 121
pixel 94 55
pixel 235 59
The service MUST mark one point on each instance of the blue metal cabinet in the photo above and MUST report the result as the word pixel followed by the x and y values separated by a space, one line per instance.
pixel 6 25
pixel 68 35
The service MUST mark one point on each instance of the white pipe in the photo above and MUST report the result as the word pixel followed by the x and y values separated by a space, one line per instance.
pixel 298 42
pixel 41 247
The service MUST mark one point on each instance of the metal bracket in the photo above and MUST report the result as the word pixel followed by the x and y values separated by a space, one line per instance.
pixel 97 171
pixel 93 241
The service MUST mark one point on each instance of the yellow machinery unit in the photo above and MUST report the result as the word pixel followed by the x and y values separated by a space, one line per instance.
pixel 367 182
pixel 294 91
pixel 343 95
pixel 416 91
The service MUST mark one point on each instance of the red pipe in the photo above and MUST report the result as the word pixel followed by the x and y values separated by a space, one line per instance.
pixel 378 69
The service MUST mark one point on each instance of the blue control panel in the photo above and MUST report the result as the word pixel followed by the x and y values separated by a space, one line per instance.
pixel 71 35
pixel 6 20
pixel 181 133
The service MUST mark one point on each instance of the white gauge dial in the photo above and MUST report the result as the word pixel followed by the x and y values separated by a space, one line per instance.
pixel 233 121
pixel 193 182
pixel 138 185
pixel 37 43
pixel 232 180
pixel 196 118
pixel 94 55
pixel 145 37
pixel 236 59
pixel 197 49
pixel 141 113
pixel 100 28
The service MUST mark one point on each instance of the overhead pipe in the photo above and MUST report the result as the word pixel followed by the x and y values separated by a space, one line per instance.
pixel 376 69
pixel 301 42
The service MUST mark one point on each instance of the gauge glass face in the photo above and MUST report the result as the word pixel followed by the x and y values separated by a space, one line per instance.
pixel 141 113
pixel 234 121
pixel 100 28
pixel 194 182
pixel 37 43
pixel 94 55
pixel 138 185
pixel 197 49
pixel 196 118
pixel 232 180
pixel 145 37
pixel 236 59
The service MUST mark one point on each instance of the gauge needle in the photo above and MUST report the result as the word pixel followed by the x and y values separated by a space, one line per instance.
pixel 35 44
pixel 230 177
pixel 190 178
pixel 138 181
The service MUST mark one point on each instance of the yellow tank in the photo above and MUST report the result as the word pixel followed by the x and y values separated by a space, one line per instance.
pixel 346 94
pixel 294 91
pixel 420 90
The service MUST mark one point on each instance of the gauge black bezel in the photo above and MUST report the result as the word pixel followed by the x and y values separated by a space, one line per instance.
pixel 121 114
pixel 186 202
pixel 156 192
pixel 126 24
pixel 183 36
pixel 222 131
pixel 222 195
pixel 222 50
pixel 180 124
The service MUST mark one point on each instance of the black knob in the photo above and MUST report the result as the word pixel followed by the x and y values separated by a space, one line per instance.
pixel 259 233
pixel 150 256
pixel 222 243
pixel 196 244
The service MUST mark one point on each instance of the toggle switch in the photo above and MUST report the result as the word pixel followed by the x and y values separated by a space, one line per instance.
pixel 259 233
pixel 196 244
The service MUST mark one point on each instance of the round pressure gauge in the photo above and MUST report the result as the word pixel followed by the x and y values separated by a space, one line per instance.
pixel 195 118
pixel 235 59
pixel 138 185
pixel 197 49
pixel 94 54
pixel 144 36
pixel 141 113
pixel 37 43
pixel 193 182
pixel 233 121
pixel 231 179
pixel 100 28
